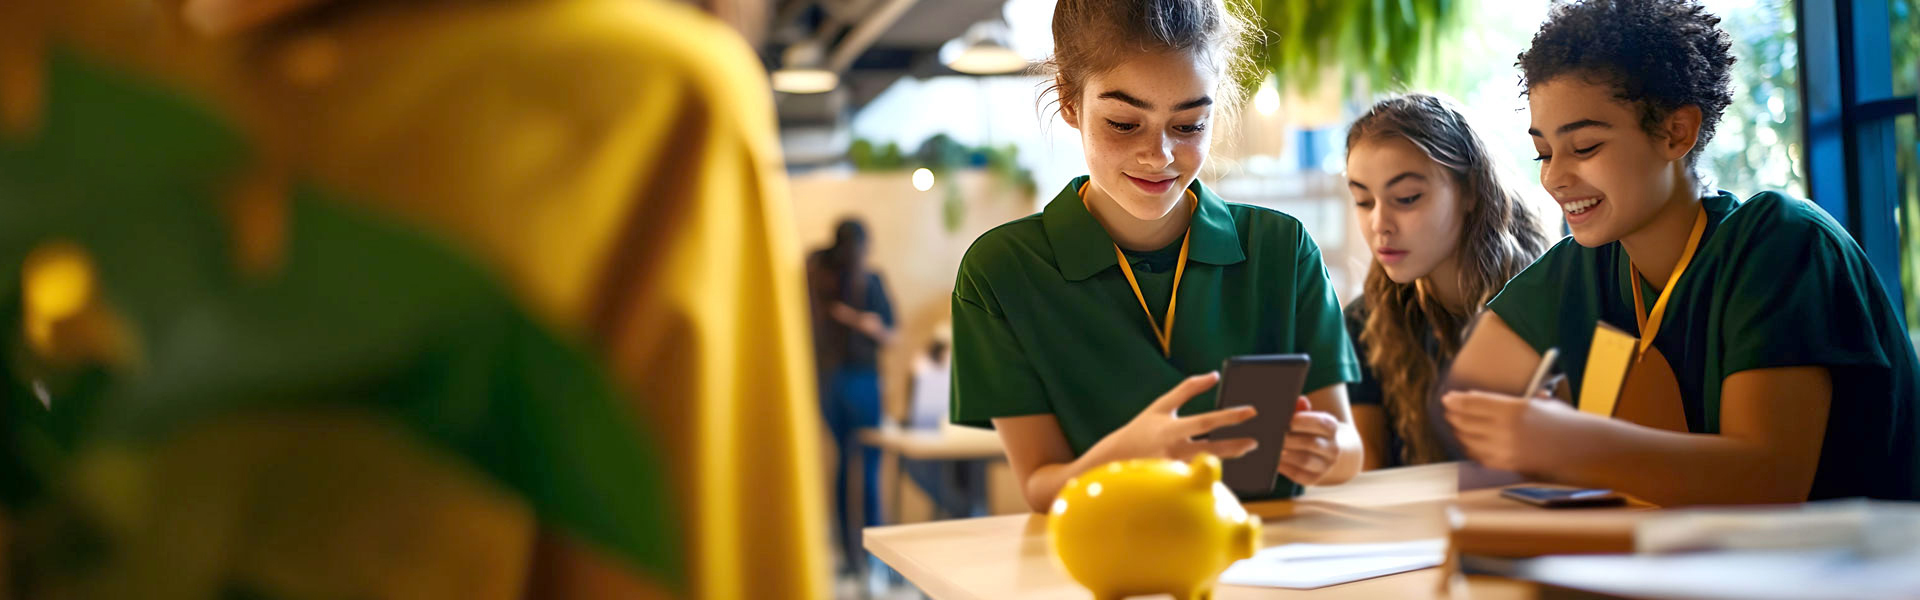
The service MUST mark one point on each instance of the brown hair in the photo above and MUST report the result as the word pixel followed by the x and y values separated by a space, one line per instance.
pixel 1093 36
pixel 1498 238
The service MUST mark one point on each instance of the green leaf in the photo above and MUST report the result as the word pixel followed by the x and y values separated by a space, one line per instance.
pixel 1381 44
pixel 363 313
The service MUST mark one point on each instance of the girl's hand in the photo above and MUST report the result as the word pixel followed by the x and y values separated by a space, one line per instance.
pixel 1512 433
pixel 869 323
pixel 1311 449
pixel 846 315
pixel 1158 432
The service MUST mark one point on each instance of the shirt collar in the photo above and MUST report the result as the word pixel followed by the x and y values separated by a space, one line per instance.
pixel 1083 249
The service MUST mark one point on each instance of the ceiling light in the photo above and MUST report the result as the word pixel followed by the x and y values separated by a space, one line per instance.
pixel 805 81
pixel 982 51
pixel 800 71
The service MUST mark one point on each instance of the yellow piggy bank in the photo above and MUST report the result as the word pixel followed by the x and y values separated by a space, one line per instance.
pixel 1150 526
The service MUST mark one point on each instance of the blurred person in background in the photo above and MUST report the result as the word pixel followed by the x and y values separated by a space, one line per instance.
pixel 853 321
pixel 929 392
pixel 530 262
pixel 958 489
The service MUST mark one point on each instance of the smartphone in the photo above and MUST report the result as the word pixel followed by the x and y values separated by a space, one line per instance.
pixel 1269 383
pixel 1550 497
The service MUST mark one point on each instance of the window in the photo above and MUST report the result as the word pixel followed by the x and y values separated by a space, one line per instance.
pixel 1859 80
pixel 1758 144
pixel 1904 21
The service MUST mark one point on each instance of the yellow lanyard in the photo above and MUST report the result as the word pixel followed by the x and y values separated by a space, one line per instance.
pixel 1650 324
pixel 1163 334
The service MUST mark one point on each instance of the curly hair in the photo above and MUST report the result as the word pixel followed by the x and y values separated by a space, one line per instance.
pixel 1659 55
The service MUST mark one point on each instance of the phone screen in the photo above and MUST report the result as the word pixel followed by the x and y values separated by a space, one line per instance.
pixel 1557 497
pixel 1270 384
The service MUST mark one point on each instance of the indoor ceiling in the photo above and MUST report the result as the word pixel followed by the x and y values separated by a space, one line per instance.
pixel 870 44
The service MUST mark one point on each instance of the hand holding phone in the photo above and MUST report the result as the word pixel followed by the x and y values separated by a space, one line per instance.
pixel 1160 432
pixel 1271 384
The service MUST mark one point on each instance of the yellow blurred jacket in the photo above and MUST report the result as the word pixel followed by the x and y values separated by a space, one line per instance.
pixel 616 160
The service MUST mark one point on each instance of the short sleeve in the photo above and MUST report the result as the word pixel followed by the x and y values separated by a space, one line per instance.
pixel 991 375
pixel 1318 327
pixel 1530 303
pixel 1820 315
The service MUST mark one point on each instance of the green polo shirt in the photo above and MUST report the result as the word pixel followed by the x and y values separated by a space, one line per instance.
pixel 1775 283
pixel 1045 323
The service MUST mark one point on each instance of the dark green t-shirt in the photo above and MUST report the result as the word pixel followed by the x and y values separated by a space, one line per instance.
pixel 1775 283
pixel 1045 323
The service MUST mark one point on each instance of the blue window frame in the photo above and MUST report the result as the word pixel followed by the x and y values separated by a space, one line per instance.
pixel 1850 114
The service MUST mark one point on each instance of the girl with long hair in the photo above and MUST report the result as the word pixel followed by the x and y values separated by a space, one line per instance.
pixel 1447 230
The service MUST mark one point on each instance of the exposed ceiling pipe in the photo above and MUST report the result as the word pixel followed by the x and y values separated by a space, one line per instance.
pixel 864 33
pixel 848 11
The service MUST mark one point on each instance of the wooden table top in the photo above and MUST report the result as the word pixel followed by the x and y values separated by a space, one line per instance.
pixel 954 443
pixel 1006 557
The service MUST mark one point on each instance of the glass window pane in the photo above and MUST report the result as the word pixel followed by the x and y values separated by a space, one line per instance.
pixel 1909 211
pixel 1905 21
pixel 1758 144
pixel 1905 38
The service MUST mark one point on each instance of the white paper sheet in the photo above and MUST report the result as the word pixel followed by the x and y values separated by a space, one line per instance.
pixel 1309 566
pixel 1815 574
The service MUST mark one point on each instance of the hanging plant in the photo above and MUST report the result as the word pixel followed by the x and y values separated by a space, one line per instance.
pixel 1381 43
pixel 865 157
pixel 953 208
pixel 944 156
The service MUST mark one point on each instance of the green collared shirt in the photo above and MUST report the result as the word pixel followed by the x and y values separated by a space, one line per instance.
pixel 1044 321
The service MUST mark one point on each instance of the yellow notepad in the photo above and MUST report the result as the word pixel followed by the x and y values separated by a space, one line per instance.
pixel 1607 363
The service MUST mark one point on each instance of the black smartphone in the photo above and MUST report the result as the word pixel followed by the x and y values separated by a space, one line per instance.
pixel 1269 383
pixel 1550 497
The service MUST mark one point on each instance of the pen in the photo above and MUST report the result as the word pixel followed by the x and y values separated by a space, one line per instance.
pixel 1539 379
